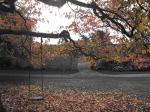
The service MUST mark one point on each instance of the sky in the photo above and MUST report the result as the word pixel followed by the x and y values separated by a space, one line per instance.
pixel 56 21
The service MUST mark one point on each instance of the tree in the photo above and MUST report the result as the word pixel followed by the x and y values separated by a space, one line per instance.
pixel 130 17
pixel 13 47
pixel 117 16
pixel 114 14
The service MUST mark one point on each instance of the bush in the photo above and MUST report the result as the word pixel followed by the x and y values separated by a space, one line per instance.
pixel 105 65
pixel 125 66
pixel 115 66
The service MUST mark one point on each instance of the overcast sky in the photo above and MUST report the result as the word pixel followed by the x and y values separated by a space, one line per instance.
pixel 56 21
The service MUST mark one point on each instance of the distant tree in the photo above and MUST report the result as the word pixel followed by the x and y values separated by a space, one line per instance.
pixel 13 47
pixel 129 17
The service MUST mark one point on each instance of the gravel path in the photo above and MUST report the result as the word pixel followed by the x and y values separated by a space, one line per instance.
pixel 86 79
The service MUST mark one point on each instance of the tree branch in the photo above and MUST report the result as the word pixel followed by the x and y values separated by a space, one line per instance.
pixel 7 6
pixel 66 35
pixel 28 33
pixel 56 3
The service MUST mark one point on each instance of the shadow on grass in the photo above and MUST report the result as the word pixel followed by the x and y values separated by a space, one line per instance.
pixel 23 76
pixel 13 79
pixel 19 71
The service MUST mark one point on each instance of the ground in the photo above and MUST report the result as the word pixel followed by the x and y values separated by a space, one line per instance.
pixel 131 83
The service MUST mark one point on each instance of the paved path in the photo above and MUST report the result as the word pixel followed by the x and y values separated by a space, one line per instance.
pixel 86 79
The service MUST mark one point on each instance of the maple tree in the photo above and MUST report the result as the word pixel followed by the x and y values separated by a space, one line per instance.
pixel 130 18
pixel 13 46
pixel 42 53
pixel 115 14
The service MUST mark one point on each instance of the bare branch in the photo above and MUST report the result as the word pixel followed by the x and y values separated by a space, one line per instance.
pixel 56 3
pixel 7 5
pixel 28 33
